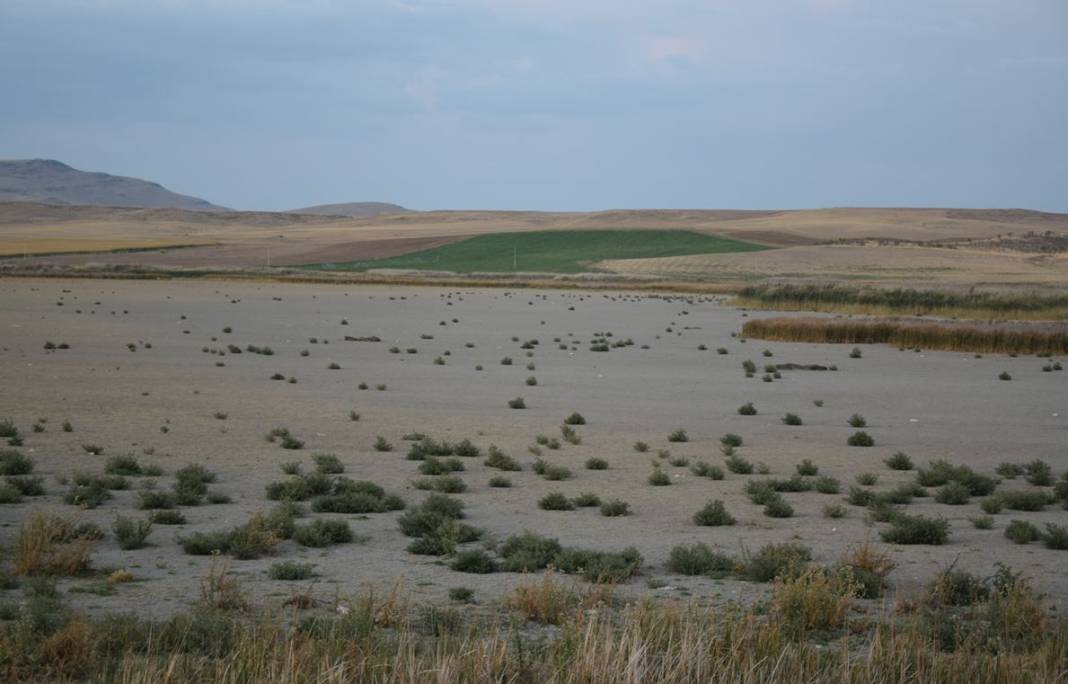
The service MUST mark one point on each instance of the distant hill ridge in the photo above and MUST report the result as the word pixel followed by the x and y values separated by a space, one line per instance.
pixel 352 209
pixel 53 182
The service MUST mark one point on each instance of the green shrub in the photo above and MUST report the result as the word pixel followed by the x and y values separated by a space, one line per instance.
pixel 13 462
pixel 500 460
pixel 517 403
pixel 575 419
pixel 982 522
pixel 1025 500
pixel 328 464
pixel 1010 471
pixel 658 478
pixel 699 559
pixel 528 552
pixel 615 508
pixel 435 510
pixel 381 444
pixel 291 571
pixel 747 409
pixel 27 485
pixel 321 533
pixel 586 500
pixel 825 484
pixel 1022 532
pixel 953 494
pixel 791 419
pixel 167 517
pixel 9 494
pixel 555 501
pixel 714 514
pixel 857 421
pixel 129 533
pixel 916 529
pixel 596 464
pixel 474 561
pixel 1038 473
pixel 123 465
pixel 678 435
pixel 860 439
pixel 461 594
pixel 807 468
pixel 777 507
pixel 500 481
pixel 641 447
pixel 1056 537
pixel 899 461
pixel 738 465
pixel 774 560
pixel 867 479
pixel 992 504
pixel 730 439
pixel 957 588
pixel 834 511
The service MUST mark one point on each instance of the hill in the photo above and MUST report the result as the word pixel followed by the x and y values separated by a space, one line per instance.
pixel 53 182
pixel 352 209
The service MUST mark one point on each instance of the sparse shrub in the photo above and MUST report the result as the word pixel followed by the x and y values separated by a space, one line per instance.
pixel 1038 473
pixel 916 529
pixel 167 517
pixel 774 560
pixel 129 533
pixel 1010 471
pixel 462 594
pixel 992 504
pixel 88 495
pixel 957 588
pixel 738 465
pixel 807 468
pixel 1022 532
pixel 699 559
pixel 555 501
pixel 702 469
pixel 658 478
pixel 678 435
pixel 747 409
pixel 641 447
pixel 867 479
pixel 517 403
pixel 500 482
pixel 777 507
pixel 595 463
pixel 791 419
pixel 586 500
pixel 1056 537
pixel 814 599
pixel 732 440
pixel 328 464
pixel 500 460
pixel 982 522
pixel 1025 500
pixel 381 444
pixel 26 485
pixel 575 419
pixel 474 561
pixel 834 511
pixel 48 544
pixel 857 421
pixel 899 461
pixel 856 353
pixel 953 494
pixel 291 571
pixel 321 533
pixel 860 439
pixel 1004 375
pixel 714 514
pixel 94 449
pixel 825 484
pixel 615 508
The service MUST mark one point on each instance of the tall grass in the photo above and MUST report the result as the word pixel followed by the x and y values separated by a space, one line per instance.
pixel 383 639
pixel 991 338
pixel 845 299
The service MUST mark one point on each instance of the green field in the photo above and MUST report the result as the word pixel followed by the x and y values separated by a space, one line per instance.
pixel 551 251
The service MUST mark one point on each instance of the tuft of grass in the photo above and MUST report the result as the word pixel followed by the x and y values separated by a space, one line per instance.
pixel 49 544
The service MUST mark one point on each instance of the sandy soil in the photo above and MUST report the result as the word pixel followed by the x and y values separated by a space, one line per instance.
pixel 930 405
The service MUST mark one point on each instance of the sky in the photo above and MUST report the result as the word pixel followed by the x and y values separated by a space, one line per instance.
pixel 549 104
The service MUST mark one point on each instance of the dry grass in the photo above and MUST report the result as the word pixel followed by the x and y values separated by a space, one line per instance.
pixel 48 544
pixel 991 338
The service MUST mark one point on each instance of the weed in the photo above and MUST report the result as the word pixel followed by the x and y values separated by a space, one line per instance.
pixel 714 514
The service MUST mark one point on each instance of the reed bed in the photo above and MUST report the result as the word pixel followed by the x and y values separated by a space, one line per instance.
pixel 910 333
pixel 845 299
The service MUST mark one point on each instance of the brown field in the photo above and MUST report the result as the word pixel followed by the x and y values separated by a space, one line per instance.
pixel 254 239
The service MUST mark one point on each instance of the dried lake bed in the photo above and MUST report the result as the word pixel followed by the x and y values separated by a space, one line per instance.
pixel 136 379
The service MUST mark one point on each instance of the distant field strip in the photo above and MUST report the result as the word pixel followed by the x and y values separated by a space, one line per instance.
pixel 551 251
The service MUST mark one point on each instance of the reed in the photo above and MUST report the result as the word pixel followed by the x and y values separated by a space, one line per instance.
pixel 988 338
pixel 846 299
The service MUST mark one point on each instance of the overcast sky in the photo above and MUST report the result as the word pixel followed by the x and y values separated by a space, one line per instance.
pixel 549 104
